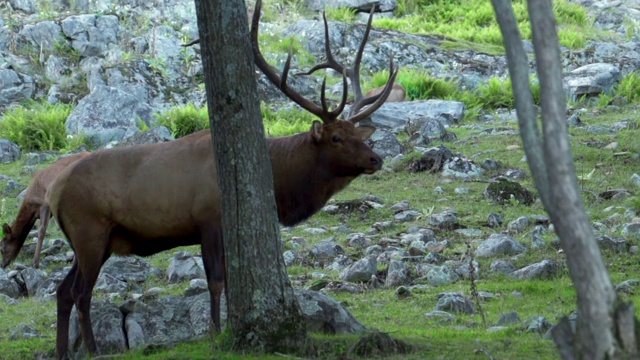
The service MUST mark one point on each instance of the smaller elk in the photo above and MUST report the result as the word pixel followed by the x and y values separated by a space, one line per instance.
pixel 33 207
pixel 397 94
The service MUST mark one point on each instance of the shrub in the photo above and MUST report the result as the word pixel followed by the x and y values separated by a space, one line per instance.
pixel 286 122
pixel 629 87
pixel 184 120
pixel 37 126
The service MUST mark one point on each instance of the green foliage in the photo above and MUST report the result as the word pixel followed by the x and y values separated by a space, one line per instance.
pixel 286 122
pixel 474 21
pixel 419 85
pixel 184 120
pixel 36 126
pixel 496 93
pixel 63 48
pixel 343 14
pixel 629 87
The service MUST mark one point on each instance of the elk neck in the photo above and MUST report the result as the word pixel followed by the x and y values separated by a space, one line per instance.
pixel 303 180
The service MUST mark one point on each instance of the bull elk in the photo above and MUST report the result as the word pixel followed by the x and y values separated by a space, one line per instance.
pixel 33 207
pixel 144 199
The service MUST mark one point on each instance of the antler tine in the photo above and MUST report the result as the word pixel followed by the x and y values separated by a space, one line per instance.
pixel 281 81
pixel 376 101
pixel 331 62
pixel 355 76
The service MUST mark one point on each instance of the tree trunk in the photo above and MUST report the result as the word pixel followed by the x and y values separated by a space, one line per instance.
pixel 601 319
pixel 263 312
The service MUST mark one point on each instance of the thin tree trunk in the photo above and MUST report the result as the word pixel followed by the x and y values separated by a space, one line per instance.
pixel 554 173
pixel 263 311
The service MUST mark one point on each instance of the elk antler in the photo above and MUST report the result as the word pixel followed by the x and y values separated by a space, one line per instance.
pixel 356 113
pixel 281 81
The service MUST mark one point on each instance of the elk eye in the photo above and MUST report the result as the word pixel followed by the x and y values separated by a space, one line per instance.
pixel 336 139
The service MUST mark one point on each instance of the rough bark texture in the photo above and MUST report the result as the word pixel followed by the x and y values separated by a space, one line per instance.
pixel 601 319
pixel 263 312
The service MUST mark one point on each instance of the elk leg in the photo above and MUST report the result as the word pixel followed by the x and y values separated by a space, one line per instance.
pixel 87 254
pixel 214 267
pixel 45 215
pixel 65 304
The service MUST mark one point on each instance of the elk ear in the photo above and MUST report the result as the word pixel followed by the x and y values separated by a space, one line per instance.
pixel 363 132
pixel 316 130
pixel 6 229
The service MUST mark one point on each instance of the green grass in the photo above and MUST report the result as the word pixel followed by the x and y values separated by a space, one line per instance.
pixel 379 309
pixel 474 21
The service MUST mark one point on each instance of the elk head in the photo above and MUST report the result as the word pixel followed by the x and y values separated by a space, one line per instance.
pixel 8 246
pixel 340 143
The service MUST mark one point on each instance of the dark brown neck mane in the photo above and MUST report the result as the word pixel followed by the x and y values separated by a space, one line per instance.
pixel 303 181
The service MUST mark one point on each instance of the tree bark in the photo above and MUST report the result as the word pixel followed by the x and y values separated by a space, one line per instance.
pixel 550 161
pixel 263 311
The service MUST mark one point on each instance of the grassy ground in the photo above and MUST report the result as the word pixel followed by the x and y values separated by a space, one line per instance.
pixel 464 337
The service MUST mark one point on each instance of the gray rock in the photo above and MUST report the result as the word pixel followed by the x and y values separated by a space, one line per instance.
pixel 47 289
pixel 90 34
pixel 361 271
pixel 184 266
pixel 447 219
pixel 397 115
pixel 326 250
pixel 323 314
pixel 27 6
pixel 537 324
pixel 290 257
pixel 153 135
pixel 9 287
pixel 167 320
pixel 508 318
pixel 108 114
pixel 43 34
pixel 397 274
pixel 441 275
pixel 631 231
pixel 340 263
pixel 385 144
pixel 614 243
pixel 544 269
pixel 495 220
pixel 635 179
pixel 111 284
pixel 461 168
pixel 499 244
pixel 16 87
pixel 518 225
pixel 454 302
pixel 127 268
pixel 591 80
pixel 358 240
pixel 106 322
pixel 32 278
pixel 406 216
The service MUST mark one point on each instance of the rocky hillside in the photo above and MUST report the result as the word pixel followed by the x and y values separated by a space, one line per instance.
pixel 448 243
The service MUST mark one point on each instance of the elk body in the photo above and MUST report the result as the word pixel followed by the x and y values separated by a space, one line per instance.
pixel 33 207
pixel 144 199
pixel 398 93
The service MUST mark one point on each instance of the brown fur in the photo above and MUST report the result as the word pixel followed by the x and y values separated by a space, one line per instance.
pixel 33 207
pixel 397 93
pixel 148 198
